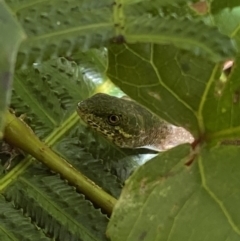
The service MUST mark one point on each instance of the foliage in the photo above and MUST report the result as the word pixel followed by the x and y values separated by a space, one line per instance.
pixel 168 56
pixel 12 35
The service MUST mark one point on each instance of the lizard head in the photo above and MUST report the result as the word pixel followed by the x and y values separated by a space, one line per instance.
pixel 130 125
pixel 120 120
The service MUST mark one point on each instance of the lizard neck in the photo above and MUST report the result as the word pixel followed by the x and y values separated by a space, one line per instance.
pixel 168 136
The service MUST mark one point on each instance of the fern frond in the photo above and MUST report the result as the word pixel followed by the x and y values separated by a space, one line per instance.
pixel 15 226
pixel 52 204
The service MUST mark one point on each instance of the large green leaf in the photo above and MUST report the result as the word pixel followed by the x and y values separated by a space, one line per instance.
pixel 170 82
pixel 183 194
pixel 179 202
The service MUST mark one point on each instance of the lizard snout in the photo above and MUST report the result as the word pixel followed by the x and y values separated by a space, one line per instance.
pixel 82 107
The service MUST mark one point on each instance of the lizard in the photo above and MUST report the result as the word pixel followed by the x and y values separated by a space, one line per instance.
pixel 130 125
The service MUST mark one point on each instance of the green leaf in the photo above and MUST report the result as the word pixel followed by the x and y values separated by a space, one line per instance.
pixel 184 33
pixel 11 37
pixel 227 18
pixel 61 28
pixel 163 79
pixel 149 22
pixel 48 198
pixel 156 3
pixel 166 200
pixel 221 107
pixel 10 217
pixel 49 92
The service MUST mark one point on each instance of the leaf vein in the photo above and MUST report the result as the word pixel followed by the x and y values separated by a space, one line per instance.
pixel 203 99
pixel 37 104
pixel 215 198
pixel 166 87
pixel 67 32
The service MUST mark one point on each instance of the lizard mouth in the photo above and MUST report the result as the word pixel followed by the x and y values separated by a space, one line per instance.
pixel 87 118
pixel 80 113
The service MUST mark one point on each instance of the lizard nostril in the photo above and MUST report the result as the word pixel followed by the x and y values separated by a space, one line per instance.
pixel 81 105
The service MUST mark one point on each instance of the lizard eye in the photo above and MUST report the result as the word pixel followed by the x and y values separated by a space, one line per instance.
pixel 113 120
